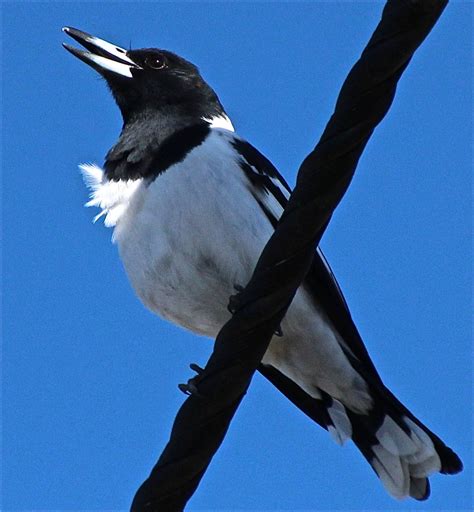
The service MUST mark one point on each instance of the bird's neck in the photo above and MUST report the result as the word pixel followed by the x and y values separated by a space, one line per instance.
pixel 152 127
pixel 147 135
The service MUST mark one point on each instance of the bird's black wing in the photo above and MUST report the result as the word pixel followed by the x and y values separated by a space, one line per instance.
pixel 268 187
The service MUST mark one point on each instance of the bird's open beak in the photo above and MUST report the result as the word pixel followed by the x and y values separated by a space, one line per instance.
pixel 102 56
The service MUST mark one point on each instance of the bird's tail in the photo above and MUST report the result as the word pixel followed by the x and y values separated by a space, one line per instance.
pixel 401 450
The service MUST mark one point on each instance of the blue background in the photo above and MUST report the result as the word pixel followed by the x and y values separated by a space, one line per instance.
pixel 90 376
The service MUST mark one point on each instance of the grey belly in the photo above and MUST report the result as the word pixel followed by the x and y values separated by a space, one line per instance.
pixel 184 260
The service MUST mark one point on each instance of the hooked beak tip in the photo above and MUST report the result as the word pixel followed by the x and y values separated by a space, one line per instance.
pixel 101 55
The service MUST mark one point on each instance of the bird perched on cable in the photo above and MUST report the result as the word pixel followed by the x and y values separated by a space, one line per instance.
pixel 192 205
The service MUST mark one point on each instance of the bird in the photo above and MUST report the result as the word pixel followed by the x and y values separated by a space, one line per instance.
pixel 191 205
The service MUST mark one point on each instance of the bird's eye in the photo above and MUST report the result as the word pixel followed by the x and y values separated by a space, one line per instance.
pixel 155 62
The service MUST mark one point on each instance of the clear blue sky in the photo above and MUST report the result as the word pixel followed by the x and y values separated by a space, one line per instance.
pixel 90 376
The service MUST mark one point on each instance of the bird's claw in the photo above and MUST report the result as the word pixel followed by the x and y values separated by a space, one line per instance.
pixel 234 302
pixel 233 305
pixel 190 388
pixel 196 368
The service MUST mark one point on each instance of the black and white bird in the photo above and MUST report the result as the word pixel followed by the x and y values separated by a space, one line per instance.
pixel 192 205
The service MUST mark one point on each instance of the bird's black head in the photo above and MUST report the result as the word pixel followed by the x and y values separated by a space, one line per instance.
pixel 148 80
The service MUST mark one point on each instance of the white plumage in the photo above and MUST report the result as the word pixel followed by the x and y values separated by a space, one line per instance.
pixel 192 206
pixel 184 254
pixel 188 237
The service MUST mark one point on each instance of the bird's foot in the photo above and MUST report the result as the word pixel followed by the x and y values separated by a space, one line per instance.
pixel 196 368
pixel 278 332
pixel 234 305
pixel 234 302
pixel 190 388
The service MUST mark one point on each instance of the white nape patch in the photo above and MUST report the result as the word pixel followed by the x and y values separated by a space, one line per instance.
pixel 392 470
pixel 221 121
pixel 112 197
pixel 342 429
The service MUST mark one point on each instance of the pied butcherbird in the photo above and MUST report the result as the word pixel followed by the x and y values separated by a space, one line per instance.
pixel 192 205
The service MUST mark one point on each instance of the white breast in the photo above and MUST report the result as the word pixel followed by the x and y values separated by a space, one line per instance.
pixel 188 237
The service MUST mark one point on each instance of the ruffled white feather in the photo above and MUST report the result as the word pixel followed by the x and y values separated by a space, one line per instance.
pixel 112 197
